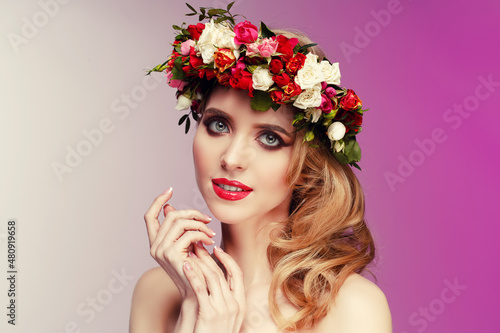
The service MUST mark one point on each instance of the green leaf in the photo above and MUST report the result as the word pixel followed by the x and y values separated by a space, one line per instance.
pixel 230 6
pixel 341 157
pixel 182 119
pixel 215 11
pixel 303 48
pixel 191 7
pixel 354 164
pixel 177 72
pixel 195 116
pixel 191 14
pixel 188 123
pixel 353 151
pixel 266 33
pixel 261 101
pixel 203 10
pixel 275 106
pixel 176 27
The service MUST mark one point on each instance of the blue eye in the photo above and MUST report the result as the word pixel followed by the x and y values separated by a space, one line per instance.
pixel 217 126
pixel 270 139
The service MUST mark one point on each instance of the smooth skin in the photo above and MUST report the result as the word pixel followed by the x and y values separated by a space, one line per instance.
pixel 193 291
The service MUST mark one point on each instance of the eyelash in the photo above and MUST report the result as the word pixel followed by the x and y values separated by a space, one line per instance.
pixel 207 122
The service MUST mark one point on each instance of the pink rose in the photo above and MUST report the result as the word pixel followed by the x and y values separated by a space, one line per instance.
pixel 268 47
pixel 179 84
pixel 246 33
pixel 252 49
pixel 330 92
pixel 186 47
pixel 326 104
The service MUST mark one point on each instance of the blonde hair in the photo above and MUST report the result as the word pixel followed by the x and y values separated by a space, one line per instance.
pixel 325 237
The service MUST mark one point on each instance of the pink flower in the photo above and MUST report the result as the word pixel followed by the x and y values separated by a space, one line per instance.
pixel 268 47
pixel 246 33
pixel 252 49
pixel 240 65
pixel 326 104
pixel 186 47
pixel 179 84
pixel 330 92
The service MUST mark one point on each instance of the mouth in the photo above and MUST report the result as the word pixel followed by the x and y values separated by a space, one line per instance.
pixel 230 189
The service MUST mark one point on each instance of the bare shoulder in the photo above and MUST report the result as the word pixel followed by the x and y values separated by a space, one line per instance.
pixel 360 306
pixel 155 303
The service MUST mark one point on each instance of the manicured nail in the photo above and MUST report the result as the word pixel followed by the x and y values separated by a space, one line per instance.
pixel 168 191
pixel 187 265
pixel 199 244
pixel 192 255
pixel 218 248
pixel 213 232
pixel 208 217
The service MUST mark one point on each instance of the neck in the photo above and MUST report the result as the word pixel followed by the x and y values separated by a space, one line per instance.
pixel 248 247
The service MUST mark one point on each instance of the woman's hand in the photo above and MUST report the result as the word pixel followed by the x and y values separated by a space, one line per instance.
pixel 221 302
pixel 171 241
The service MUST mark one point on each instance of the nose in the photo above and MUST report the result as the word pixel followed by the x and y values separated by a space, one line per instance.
pixel 238 154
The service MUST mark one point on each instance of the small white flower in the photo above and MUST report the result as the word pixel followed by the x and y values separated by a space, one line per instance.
pixel 315 113
pixel 336 131
pixel 331 72
pixel 262 79
pixel 183 103
pixel 214 36
pixel 309 98
pixel 310 74
pixel 338 146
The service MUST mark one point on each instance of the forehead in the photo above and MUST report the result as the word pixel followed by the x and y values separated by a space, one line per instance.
pixel 236 103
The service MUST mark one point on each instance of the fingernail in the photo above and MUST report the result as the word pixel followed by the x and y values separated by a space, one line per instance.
pixel 187 265
pixel 167 191
pixel 218 248
pixel 213 232
pixel 208 217
pixel 192 255
pixel 199 244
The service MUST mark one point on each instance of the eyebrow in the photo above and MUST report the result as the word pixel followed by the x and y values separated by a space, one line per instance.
pixel 272 127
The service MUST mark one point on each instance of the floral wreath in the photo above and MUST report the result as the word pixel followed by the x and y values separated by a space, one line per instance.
pixel 273 68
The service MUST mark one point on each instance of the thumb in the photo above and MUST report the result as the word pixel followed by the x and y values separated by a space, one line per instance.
pixel 167 208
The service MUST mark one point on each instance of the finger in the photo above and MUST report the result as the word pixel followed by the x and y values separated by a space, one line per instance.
pixel 181 226
pixel 151 215
pixel 198 284
pixel 235 275
pixel 167 208
pixel 214 282
pixel 171 217
pixel 191 237
pixel 204 255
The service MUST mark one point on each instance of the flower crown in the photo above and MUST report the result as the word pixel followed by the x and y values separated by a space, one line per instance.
pixel 274 69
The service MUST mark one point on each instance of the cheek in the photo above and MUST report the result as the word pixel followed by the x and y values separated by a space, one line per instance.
pixel 273 169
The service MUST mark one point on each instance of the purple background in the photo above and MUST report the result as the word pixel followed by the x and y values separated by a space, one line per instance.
pixel 434 225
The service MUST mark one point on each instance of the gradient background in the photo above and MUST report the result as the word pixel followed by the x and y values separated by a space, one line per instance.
pixel 437 224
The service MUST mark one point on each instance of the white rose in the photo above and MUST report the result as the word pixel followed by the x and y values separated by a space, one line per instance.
pixel 309 98
pixel 183 103
pixel 338 147
pixel 310 74
pixel 336 131
pixel 205 43
pixel 262 79
pixel 224 38
pixel 331 72
pixel 315 113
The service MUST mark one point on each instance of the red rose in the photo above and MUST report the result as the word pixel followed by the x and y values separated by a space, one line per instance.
pixel 196 30
pixel 275 66
pixel 281 80
pixel 223 79
pixel 296 63
pixel 206 72
pixel 246 33
pixel 242 80
pixel 224 59
pixel 352 120
pixel 277 96
pixel 194 60
pixel 286 45
pixel 291 90
pixel 350 101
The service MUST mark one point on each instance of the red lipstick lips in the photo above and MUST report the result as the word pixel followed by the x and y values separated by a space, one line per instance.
pixel 230 195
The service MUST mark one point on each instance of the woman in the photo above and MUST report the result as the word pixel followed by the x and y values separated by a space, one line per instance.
pixel 294 238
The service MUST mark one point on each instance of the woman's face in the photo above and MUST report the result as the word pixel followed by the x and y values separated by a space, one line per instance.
pixel 234 143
